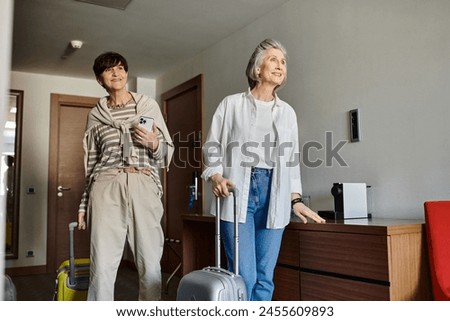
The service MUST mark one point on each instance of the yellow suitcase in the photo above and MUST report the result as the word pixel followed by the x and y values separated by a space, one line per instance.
pixel 72 280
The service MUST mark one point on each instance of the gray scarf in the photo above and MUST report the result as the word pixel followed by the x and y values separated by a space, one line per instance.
pixel 145 106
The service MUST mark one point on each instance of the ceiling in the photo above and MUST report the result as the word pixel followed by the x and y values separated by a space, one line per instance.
pixel 153 35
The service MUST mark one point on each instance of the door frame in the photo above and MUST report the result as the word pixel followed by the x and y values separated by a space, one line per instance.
pixel 196 82
pixel 175 250
pixel 56 101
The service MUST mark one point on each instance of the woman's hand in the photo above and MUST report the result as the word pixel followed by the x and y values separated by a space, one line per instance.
pixel 81 220
pixel 302 211
pixel 148 139
pixel 220 185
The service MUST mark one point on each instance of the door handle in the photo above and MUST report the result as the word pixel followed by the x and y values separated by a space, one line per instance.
pixel 194 187
pixel 63 188
pixel 193 190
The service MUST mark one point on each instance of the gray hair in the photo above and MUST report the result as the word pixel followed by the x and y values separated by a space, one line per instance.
pixel 257 58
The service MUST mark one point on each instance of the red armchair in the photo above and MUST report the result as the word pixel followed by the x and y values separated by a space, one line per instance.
pixel 437 219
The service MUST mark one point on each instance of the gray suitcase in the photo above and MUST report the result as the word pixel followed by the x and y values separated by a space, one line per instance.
pixel 214 283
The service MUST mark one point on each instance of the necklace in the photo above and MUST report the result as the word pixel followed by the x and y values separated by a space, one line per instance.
pixel 118 106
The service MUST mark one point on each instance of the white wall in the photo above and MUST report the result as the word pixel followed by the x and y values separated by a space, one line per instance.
pixel 146 86
pixel 390 59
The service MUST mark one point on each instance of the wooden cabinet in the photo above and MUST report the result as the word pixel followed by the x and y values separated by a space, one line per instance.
pixel 359 259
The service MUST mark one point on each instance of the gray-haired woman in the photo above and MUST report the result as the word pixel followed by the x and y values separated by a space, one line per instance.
pixel 253 146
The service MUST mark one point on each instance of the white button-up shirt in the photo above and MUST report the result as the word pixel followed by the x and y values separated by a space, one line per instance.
pixel 226 151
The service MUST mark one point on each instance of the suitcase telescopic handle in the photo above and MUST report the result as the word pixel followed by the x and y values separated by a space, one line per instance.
pixel 72 227
pixel 233 191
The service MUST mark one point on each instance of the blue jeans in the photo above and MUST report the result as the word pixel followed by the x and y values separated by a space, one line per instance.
pixel 258 246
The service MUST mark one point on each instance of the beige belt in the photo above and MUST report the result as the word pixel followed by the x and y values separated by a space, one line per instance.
pixel 145 171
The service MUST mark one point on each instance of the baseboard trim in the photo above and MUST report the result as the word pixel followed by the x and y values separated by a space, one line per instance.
pixel 42 269
pixel 27 270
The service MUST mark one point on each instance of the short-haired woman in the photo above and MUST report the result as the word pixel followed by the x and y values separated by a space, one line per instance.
pixel 123 189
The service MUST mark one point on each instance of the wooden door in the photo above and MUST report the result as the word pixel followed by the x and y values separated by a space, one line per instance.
pixel 182 107
pixel 68 115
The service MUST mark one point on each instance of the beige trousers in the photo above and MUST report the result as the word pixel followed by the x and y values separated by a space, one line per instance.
pixel 125 207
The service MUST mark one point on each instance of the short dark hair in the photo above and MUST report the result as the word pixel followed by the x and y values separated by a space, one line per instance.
pixel 108 60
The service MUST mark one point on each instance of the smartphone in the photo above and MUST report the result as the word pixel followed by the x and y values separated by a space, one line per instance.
pixel 146 122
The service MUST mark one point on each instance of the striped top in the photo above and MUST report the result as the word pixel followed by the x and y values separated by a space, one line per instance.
pixel 105 152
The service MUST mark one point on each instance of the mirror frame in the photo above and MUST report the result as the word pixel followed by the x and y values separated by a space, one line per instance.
pixel 13 252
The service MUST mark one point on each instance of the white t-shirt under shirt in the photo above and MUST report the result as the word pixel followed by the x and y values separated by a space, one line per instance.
pixel 263 135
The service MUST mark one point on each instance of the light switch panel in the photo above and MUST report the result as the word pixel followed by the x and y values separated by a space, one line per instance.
pixel 354 122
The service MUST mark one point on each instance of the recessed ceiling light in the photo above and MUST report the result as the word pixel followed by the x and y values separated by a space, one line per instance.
pixel 116 4
pixel 76 44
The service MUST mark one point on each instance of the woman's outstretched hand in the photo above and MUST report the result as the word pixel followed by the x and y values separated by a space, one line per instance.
pixel 304 212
